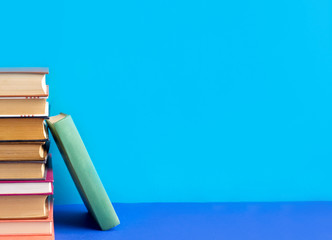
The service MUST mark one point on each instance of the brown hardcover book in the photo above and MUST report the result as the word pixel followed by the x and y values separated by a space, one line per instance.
pixel 23 151
pixel 23 82
pixel 23 206
pixel 22 170
pixel 22 129
pixel 18 107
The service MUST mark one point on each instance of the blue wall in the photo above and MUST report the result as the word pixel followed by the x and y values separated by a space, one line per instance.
pixel 187 100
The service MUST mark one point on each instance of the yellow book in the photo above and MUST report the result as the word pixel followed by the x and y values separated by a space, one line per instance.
pixel 22 129
pixel 23 151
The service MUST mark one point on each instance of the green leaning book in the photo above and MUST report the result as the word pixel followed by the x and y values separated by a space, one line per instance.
pixel 82 170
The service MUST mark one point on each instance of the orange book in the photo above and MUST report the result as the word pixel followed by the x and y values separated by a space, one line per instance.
pixel 31 237
pixel 38 229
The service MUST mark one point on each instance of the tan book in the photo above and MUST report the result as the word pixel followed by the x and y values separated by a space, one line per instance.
pixel 23 206
pixel 18 107
pixel 25 151
pixel 23 82
pixel 21 170
pixel 22 129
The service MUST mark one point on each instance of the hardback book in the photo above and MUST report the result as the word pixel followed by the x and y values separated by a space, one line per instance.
pixel 27 107
pixel 28 237
pixel 23 151
pixel 28 227
pixel 82 170
pixel 23 170
pixel 23 206
pixel 28 187
pixel 23 82
pixel 23 129
pixel 25 199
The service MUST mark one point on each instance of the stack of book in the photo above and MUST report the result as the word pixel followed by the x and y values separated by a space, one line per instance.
pixel 26 176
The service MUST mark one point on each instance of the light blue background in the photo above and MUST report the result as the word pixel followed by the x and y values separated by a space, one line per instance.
pixel 187 100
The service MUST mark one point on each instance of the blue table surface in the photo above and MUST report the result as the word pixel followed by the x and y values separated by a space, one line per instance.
pixel 241 221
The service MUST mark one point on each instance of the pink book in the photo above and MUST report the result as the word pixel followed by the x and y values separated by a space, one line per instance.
pixel 28 187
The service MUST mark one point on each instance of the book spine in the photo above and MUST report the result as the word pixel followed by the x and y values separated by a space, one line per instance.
pixel 83 172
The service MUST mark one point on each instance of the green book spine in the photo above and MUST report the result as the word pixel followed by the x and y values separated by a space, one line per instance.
pixel 82 170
